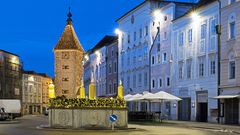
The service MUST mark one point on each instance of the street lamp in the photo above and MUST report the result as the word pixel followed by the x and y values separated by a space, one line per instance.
pixel 118 31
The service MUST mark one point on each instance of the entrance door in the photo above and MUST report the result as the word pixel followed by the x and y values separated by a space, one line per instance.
pixel 202 106
pixel 202 115
pixel 184 109
pixel 232 111
pixel 30 110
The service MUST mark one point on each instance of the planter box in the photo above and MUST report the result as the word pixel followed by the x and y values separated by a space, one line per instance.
pixel 87 118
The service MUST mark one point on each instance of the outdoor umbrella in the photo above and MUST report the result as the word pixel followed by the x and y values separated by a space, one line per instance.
pixel 161 96
pixel 126 97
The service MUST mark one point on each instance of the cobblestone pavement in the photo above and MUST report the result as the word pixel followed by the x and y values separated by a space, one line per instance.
pixel 28 126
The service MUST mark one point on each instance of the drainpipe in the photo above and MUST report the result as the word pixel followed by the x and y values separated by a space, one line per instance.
pixel 150 60
pixel 218 30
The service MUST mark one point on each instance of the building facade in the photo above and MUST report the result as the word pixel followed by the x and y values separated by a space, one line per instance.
pixel 137 49
pixel 34 92
pixel 161 57
pixel 230 63
pixel 101 64
pixel 68 55
pixel 112 67
pixel 11 73
pixel 194 72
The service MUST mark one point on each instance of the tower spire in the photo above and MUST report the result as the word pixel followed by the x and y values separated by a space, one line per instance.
pixel 69 20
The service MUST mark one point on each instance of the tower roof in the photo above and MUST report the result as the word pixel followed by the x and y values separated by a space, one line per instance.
pixel 69 39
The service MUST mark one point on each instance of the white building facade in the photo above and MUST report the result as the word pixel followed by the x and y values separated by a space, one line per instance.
pixel 161 57
pixel 194 71
pixel 138 31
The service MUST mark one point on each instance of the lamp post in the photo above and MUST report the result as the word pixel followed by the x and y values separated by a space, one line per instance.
pixel 218 31
pixel 157 15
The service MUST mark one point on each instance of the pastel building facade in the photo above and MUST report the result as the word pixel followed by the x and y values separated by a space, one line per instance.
pixel 230 63
pixel 100 63
pixel 161 57
pixel 138 31
pixel 194 71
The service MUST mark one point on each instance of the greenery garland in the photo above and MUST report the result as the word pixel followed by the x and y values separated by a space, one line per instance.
pixel 63 102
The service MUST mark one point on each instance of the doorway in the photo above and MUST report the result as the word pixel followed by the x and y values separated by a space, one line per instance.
pixel 184 109
pixel 202 109
pixel 232 111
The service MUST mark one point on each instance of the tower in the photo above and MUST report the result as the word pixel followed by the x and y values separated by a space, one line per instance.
pixel 68 54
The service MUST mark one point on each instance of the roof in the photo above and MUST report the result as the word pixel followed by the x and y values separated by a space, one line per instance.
pixel 69 39
pixel 200 4
pixel 8 52
pixel 35 73
pixel 166 1
pixel 107 40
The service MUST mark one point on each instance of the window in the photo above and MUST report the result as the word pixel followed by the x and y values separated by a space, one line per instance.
pixel 153 60
pixel 110 89
pixel 165 35
pixel 160 83
pixel 203 31
pixel 190 35
pixel 159 58
pixel 164 57
pixel 110 68
pixel 128 38
pixel 128 81
pixel 115 67
pixel 213 26
pixel 145 79
pixel 134 59
pixel 146 30
pixel 180 40
pixel 180 70
pixel 232 70
pixel 140 80
pixel 201 67
pixel 232 30
pixel 65 79
pixel 65 67
pixel 115 87
pixel 134 81
pixel 212 65
pixel 135 36
pixel 65 91
pixel 232 1
pixel 140 33
pixel 153 83
pixel 158 47
pixel 168 81
pixel 189 69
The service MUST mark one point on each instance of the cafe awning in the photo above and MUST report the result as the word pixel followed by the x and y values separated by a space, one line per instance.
pixel 226 96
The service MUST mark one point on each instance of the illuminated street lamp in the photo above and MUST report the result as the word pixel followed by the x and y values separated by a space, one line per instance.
pixel 157 14
pixel 118 31
pixel 195 16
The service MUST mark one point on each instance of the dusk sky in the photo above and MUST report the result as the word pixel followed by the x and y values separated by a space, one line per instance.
pixel 31 28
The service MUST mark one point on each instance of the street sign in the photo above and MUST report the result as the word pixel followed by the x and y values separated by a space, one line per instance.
pixel 113 118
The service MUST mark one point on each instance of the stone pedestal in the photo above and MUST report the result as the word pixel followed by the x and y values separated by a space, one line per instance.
pixel 95 118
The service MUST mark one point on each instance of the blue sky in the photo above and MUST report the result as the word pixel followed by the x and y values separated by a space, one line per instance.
pixel 31 28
